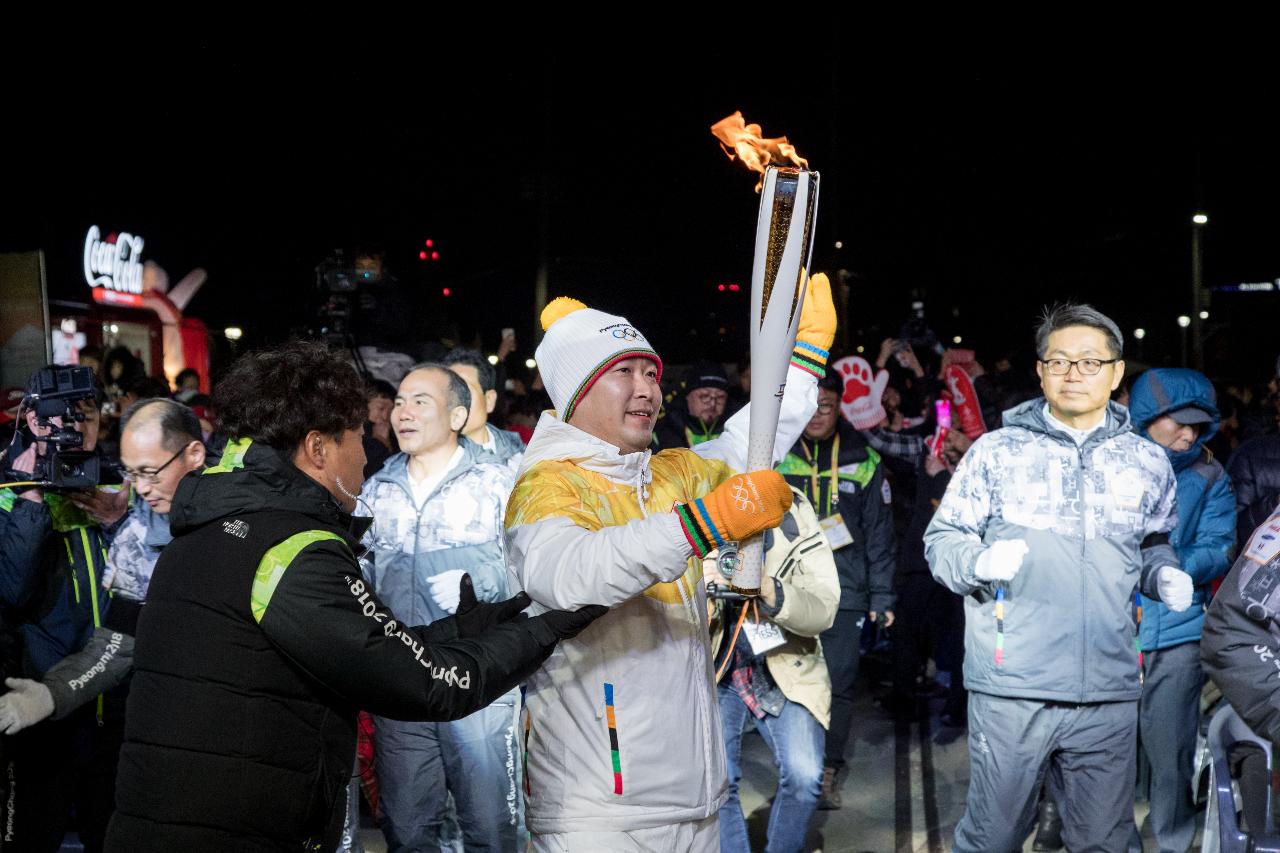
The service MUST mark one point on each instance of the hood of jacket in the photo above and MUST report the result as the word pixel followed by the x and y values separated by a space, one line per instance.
pixel 253 477
pixel 1031 415
pixel 396 468
pixel 1165 389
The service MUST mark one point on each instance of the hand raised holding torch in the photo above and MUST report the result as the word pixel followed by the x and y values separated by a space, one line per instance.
pixel 784 245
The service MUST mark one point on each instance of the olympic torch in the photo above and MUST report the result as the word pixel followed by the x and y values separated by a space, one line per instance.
pixel 784 246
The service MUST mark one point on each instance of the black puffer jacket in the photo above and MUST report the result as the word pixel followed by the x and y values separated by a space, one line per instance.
pixel 860 495
pixel 1238 646
pixel 257 644
pixel 1254 470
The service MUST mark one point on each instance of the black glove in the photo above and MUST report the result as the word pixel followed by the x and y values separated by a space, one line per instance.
pixel 519 646
pixel 474 617
pixel 555 625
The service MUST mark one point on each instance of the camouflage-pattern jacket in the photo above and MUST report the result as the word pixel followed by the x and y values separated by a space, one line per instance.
pixel 134 551
pixel 1095 517
pixel 458 526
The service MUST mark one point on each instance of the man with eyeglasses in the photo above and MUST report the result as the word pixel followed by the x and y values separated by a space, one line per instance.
pixel 695 413
pixel 159 445
pixel 1050 527
pixel 844 480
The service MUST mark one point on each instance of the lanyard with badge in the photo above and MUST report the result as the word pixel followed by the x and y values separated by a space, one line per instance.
pixel 708 432
pixel 833 526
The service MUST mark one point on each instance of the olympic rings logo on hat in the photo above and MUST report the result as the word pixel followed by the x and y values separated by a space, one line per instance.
pixel 623 332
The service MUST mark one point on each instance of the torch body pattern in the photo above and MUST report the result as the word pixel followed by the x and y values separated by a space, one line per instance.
pixel 784 246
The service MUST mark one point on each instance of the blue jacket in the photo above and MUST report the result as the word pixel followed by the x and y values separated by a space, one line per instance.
pixel 51 560
pixel 1206 531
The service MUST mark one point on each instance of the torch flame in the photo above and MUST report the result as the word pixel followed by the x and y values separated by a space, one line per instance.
pixel 742 141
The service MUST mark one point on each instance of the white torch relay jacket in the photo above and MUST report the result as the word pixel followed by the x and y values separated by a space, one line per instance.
pixel 621 729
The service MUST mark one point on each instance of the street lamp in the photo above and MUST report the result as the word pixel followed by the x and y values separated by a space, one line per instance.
pixel 1139 333
pixel 233 333
pixel 1198 222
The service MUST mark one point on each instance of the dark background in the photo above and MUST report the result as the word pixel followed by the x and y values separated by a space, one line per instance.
pixel 986 188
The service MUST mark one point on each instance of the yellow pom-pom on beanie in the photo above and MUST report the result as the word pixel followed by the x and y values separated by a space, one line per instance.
pixel 557 308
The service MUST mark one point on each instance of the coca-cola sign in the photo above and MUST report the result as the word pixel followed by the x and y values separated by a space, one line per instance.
pixel 114 263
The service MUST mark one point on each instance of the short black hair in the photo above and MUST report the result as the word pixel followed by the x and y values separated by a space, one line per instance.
pixel 381 388
pixel 462 355
pixel 276 396
pixel 1066 314
pixel 832 381
pixel 459 393
pixel 147 387
pixel 131 367
pixel 179 426
pixel 184 373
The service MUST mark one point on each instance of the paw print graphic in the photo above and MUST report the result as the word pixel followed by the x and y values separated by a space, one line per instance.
pixel 860 403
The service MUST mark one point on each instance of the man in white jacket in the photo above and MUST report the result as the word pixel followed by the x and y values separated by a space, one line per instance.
pixel 621 730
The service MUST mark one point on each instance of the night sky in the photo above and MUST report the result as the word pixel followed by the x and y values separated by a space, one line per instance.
pixel 987 189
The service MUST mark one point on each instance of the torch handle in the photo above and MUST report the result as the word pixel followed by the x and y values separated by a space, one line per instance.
pixel 746 578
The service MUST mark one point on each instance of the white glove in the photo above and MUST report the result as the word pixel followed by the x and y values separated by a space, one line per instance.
pixel 1175 588
pixel 27 703
pixel 1001 561
pixel 445 589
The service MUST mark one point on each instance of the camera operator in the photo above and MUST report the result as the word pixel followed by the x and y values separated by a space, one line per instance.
pixel 52 543
pixel 160 444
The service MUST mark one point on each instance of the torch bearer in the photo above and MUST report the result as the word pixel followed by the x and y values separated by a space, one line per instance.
pixel 784 246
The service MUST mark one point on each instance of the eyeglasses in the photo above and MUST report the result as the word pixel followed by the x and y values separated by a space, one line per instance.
pixel 1086 366
pixel 152 477
pixel 826 408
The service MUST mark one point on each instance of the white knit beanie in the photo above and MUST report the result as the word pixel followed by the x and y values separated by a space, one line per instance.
pixel 580 344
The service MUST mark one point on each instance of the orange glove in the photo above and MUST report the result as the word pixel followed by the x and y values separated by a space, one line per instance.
pixel 817 327
pixel 737 509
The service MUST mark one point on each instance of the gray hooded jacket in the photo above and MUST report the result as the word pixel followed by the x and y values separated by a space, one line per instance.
pixel 1095 518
